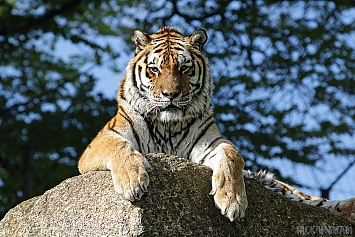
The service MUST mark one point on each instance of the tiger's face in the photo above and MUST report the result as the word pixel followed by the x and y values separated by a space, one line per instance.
pixel 169 73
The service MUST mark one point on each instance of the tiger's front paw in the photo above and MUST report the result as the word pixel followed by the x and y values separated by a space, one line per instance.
pixel 130 176
pixel 229 194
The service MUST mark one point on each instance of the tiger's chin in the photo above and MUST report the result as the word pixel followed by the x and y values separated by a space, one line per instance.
pixel 171 116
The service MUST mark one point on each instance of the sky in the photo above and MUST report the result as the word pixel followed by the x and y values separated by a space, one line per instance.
pixel 108 81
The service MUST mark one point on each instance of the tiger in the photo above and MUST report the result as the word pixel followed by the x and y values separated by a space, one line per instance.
pixel 165 106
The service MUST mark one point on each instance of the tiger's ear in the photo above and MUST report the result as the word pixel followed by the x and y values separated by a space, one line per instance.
pixel 198 39
pixel 140 40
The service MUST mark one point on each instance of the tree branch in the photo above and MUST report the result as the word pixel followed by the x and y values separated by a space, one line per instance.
pixel 9 27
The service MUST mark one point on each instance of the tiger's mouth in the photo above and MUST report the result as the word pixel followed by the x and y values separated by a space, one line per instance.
pixel 170 108
pixel 168 105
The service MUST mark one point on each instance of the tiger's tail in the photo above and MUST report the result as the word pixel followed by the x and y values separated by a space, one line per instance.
pixel 342 208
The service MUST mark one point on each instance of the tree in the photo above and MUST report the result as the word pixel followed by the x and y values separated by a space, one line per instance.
pixel 283 75
pixel 48 111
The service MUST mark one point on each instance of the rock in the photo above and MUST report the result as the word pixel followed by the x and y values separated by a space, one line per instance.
pixel 344 208
pixel 177 204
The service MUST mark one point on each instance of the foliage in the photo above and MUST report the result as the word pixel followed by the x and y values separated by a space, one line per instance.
pixel 48 111
pixel 283 72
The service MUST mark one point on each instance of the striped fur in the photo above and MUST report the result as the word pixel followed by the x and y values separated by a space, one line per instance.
pixel 164 106
pixel 267 180
pixel 343 208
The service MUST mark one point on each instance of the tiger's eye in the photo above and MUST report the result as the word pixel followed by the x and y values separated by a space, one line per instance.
pixel 184 68
pixel 154 69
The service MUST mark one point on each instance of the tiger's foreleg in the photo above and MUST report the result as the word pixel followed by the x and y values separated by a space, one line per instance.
pixel 228 186
pixel 128 167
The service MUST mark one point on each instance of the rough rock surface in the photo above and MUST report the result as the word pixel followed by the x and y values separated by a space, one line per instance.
pixel 177 204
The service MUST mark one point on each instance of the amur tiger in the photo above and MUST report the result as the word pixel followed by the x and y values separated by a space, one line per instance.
pixel 164 106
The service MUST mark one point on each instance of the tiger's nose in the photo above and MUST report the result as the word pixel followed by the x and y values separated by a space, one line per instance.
pixel 171 94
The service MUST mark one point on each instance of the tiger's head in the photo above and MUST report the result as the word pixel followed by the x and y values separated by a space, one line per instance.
pixel 168 79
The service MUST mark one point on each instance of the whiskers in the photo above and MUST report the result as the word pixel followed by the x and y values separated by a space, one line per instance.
pixel 167 104
pixel 164 110
pixel 152 109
